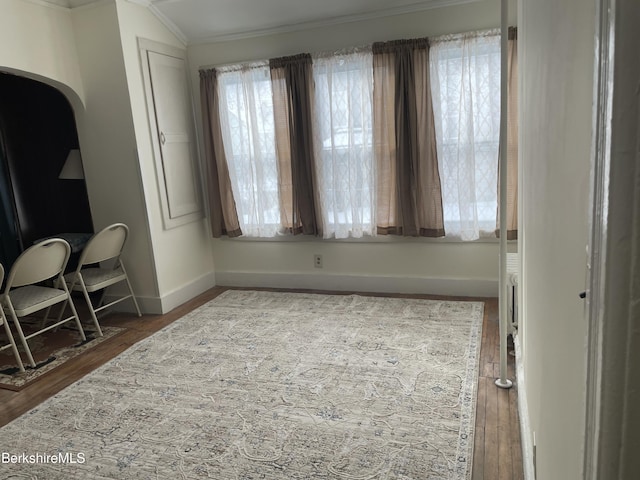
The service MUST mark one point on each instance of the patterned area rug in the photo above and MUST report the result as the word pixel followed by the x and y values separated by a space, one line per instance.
pixel 50 350
pixel 266 385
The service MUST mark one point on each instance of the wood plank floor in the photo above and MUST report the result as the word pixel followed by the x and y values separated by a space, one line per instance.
pixel 497 448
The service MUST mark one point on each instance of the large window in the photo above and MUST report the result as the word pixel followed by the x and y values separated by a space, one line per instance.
pixel 465 91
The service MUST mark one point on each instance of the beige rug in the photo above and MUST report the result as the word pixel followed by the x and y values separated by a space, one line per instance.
pixel 263 385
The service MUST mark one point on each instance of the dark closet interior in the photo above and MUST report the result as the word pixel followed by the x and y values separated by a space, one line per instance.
pixel 37 131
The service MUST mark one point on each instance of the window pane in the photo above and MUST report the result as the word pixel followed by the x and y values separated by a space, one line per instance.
pixel 343 143
pixel 465 73
pixel 246 114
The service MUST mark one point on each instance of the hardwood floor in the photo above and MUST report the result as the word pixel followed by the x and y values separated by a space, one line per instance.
pixel 497 449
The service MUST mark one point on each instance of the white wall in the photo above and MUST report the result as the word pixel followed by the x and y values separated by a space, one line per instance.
pixel 406 266
pixel 556 41
pixel 417 266
pixel 108 143
pixel 38 42
pixel 183 257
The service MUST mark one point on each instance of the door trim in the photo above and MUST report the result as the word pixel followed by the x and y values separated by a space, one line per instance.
pixel 597 249
pixel 173 215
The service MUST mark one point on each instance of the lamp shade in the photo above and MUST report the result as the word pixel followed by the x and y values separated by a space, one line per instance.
pixel 72 168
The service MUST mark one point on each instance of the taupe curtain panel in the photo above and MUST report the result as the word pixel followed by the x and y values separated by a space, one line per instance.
pixel 222 206
pixel 292 86
pixel 408 183
pixel 512 139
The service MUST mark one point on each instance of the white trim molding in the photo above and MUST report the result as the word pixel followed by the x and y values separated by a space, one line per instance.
pixel 600 171
pixel 458 287
pixel 171 26
pixel 175 298
pixel 526 435
pixel 613 376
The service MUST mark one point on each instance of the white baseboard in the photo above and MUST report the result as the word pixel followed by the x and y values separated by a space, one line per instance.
pixel 459 287
pixel 148 305
pixel 171 300
pixel 526 435
pixel 465 287
pixel 185 293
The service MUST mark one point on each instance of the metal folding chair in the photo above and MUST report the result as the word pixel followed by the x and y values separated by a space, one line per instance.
pixel 26 292
pixel 106 245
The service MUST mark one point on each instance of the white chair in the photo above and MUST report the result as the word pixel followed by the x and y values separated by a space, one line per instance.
pixel 7 331
pixel 25 292
pixel 88 277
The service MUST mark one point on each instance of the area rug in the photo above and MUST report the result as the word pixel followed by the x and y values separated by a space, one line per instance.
pixel 270 385
pixel 50 350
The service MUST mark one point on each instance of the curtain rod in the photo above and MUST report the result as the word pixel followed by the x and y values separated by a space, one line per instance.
pixel 321 53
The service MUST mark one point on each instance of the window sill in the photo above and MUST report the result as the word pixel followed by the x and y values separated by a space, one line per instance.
pixel 383 239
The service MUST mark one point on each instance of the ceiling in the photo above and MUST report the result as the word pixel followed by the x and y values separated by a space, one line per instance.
pixel 202 21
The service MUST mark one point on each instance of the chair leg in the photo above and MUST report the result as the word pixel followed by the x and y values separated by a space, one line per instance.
pixel 64 307
pixel 13 344
pixel 103 295
pixel 45 318
pixel 48 311
pixel 23 340
pixel 60 314
pixel 133 297
pixel 75 315
pixel 91 310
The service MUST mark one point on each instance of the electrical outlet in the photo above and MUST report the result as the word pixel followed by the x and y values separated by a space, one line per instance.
pixel 317 261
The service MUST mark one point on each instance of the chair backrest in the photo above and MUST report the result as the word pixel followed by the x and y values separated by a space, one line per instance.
pixel 39 262
pixel 104 245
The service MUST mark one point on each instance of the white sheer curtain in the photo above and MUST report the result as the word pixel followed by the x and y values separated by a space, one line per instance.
pixel 465 79
pixel 246 117
pixel 343 143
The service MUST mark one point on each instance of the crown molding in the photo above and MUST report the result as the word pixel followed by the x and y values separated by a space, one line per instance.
pixel 56 5
pixel 172 27
pixel 144 3
pixel 68 5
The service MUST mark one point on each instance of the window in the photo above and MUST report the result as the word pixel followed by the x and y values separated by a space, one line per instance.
pixel 343 143
pixel 464 72
pixel 465 79
pixel 246 116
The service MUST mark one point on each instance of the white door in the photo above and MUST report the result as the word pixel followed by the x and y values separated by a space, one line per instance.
pixel 175 138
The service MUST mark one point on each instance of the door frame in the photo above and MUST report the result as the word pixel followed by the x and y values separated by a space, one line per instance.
pixel 600 171
pixel 613 360
pixel 173 213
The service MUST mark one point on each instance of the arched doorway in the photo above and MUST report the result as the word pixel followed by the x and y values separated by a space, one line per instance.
pixel 37 132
